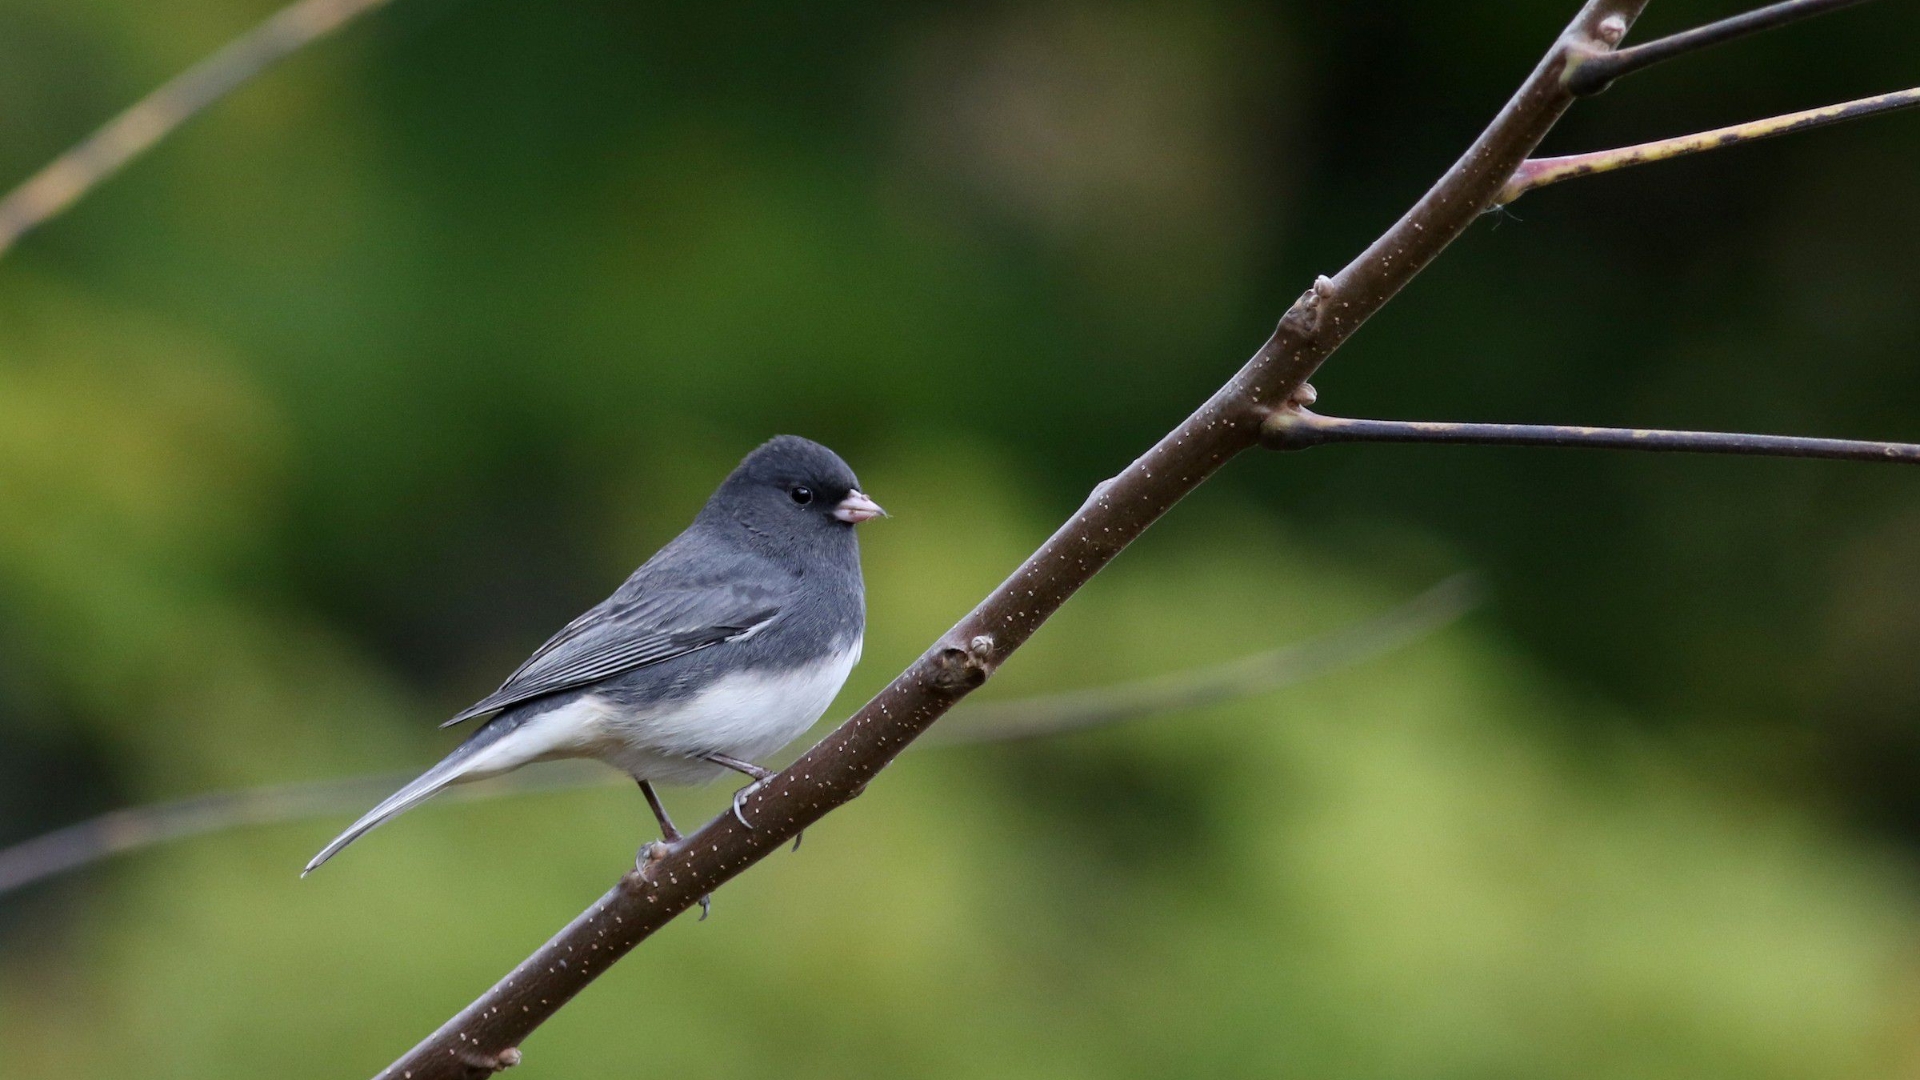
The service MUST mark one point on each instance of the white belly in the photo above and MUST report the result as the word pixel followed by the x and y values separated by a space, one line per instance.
pixel 742 715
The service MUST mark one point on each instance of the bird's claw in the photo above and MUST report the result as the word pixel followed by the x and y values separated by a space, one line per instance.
pixel 739 813
pixel 740 800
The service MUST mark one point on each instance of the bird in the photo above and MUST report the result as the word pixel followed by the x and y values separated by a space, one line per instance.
pixel 723 647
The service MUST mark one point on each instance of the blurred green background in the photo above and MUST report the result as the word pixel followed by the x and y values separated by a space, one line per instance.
pixel 315 421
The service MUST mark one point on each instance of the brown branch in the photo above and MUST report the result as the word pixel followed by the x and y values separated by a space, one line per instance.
pixel 71 175
pixel 1298 428
pixel 1594 73
pixel 138 828
pixel 1540 172
pixel 478 1040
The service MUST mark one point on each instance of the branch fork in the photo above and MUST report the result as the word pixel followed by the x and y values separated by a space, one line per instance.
pixel 1593 74
pixel 1593 66
pixel 1295 427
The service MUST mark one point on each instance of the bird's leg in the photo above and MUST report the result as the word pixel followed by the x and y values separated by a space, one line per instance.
pixel 758 772
pixel 656 849
pixel 667 832
pixel 760 776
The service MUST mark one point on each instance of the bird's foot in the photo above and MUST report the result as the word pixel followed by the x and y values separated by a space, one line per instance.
pixel 655 850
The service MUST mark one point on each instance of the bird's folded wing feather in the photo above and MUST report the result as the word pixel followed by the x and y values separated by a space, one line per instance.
pixel 630 631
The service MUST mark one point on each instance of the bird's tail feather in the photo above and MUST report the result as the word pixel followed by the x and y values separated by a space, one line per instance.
pixel 451 769
pixel 415 793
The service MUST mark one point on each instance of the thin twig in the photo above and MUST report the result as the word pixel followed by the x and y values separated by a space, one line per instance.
pixel 1081 710
pixel 138 828
pixel 1540 172
pixel 478 1041
pixel 1594 73
pixel 71 175
pixel 134 828
pixel 1298 428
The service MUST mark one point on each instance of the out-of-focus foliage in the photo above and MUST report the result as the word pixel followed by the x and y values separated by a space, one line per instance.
pixel 316 420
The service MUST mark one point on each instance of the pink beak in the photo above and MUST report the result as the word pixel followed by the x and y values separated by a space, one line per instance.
pixel 856 508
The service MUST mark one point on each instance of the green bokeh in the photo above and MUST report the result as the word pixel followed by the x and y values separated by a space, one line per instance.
pixel 318 418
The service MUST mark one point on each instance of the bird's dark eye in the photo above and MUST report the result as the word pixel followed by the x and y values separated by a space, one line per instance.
pixel 801 494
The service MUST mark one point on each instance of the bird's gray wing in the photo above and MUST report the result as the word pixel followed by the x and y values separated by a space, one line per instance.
pixel 629 631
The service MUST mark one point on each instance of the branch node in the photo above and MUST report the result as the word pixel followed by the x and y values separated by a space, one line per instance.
pixel 958 669
pixel 1302 320
pixel 481 1065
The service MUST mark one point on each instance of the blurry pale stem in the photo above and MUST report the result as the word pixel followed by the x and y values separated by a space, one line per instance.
pixel 1539 172
pixel 141 827
pixel 1597 71
pixel 137 828
pixel 1059 714
pixel 70 176
pixel 1295 428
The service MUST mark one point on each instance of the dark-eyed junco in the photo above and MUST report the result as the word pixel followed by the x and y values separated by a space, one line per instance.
pixel 727 645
